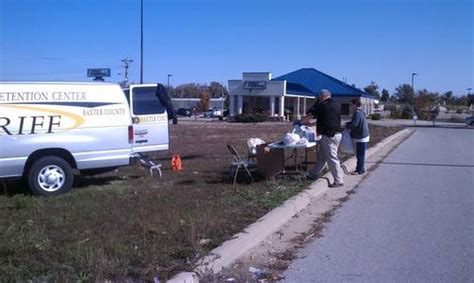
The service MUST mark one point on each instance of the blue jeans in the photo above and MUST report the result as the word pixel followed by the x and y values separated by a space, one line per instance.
pixel 360 153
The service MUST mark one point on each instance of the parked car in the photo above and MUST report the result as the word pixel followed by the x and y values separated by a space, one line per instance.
pixel 216 113
pixel 212 113
pixel 183 112
pixel 470 120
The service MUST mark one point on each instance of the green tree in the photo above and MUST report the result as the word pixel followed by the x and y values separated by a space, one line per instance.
pixel 190 90
pixel 203 104
pixel 448 98
pixel 426 104
pixel 372 89
pixel 385 95
pixel 462 100
pixel 404 93
pixel 470 99
pixel 217 90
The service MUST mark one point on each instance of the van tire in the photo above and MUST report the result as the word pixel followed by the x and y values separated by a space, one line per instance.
pixel 50 175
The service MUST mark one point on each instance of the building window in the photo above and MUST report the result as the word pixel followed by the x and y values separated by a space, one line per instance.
pixel 345 109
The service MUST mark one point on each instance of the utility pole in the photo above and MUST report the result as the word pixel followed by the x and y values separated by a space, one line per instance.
pixel 126 64
pixel 222 98
pixel 141 42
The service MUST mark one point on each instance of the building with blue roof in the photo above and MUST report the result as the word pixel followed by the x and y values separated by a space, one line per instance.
pixel 292 93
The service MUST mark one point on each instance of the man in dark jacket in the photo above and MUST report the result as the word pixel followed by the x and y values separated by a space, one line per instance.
pixel 328 124
pixel 165 99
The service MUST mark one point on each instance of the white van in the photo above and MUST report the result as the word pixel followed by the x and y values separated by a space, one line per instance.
pixel 48 129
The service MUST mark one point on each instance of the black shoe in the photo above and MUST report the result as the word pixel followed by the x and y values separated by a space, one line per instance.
pixel 311 177
pixel 336 185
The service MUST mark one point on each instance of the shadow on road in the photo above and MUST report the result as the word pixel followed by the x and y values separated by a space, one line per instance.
pixel 458 127
pixel 425 164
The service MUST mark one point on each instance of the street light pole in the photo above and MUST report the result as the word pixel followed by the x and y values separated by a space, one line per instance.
pixel 169 75
pixel 141 41
pixel 413 85
pixel 413 97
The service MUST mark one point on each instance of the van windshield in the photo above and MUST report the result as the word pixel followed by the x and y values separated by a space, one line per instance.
pixel 145 101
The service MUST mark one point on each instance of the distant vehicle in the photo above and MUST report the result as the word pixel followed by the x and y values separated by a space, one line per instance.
pixel 212 113
pixel 49 129
pixel 184 112
pixel 470 120
pixel 207 113
pixel 217 113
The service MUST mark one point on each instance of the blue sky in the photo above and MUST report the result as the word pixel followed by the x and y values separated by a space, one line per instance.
pixel 204 41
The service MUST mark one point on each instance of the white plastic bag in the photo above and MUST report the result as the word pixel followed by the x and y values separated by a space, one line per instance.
pixel 309 133
pixel 252 145
pixel 346 145
pixel 291 139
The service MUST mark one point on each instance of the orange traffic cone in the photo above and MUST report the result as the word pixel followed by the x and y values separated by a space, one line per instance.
pixel 176 163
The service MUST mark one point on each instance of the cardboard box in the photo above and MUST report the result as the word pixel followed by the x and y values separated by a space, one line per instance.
pixel 310 158
pixel 270 162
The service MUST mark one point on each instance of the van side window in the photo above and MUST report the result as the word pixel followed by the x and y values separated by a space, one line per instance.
pixel 145 101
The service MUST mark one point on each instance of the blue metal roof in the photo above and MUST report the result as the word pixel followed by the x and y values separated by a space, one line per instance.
pixel 309 81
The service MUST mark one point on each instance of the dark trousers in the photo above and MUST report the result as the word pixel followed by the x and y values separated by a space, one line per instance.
pixel 360 153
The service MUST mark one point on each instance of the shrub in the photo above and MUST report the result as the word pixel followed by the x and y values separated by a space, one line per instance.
pixel 395 114
pixel 459 111
pixel 406 113
pixel 390 107
pixel 375 116
pixel 250 118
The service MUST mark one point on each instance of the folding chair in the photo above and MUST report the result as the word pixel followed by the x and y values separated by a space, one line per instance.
pixel 238 162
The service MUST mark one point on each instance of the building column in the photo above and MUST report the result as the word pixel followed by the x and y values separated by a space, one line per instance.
pixel 231 105
pixel 272 106
pixel 240 103
pixel 298 116
pixel 281 111
pixel 304 106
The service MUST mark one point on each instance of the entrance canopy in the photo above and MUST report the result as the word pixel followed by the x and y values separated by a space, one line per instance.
pixel 309 81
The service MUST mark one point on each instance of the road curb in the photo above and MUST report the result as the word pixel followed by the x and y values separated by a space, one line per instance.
pixel 224 255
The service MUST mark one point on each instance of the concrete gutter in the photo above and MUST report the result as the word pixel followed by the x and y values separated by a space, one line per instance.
pixel 231 250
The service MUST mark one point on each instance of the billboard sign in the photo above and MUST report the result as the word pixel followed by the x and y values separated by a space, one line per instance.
pixel 98 72
pixel 255 84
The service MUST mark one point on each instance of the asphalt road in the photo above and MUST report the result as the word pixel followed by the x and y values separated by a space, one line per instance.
pixel 410 220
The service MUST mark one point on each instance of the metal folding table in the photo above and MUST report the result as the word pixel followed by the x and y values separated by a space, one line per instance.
pixel 294 154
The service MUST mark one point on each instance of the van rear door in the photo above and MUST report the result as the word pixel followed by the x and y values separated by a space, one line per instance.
pixel 149 119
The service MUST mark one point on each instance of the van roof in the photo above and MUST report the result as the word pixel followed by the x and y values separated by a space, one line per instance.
pixel 58 83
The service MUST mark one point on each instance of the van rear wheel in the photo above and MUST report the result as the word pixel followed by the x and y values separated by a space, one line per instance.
pixel 50 175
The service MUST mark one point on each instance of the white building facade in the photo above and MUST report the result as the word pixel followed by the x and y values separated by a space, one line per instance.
pixel 291 95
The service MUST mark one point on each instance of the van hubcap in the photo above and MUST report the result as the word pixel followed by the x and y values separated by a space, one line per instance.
pixel 51 178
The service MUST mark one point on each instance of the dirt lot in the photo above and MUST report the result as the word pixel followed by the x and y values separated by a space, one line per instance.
pixel 126 224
